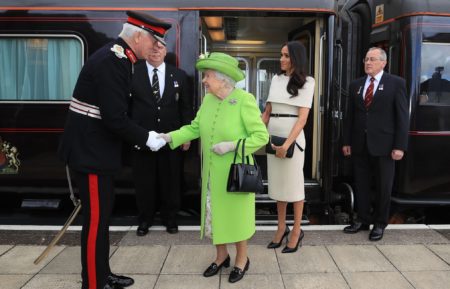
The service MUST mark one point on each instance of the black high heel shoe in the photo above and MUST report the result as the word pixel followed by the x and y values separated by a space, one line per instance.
pixel 237 273
pixel 299 242
pixel 273 245
pixel 214 268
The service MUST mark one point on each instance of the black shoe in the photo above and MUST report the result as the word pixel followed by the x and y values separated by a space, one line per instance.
pixel 237 273
pixel 172 229
pixel 214 268
pixel 356 227
pixel 273 245
pixel 116 280
pixel 142 229
pixel 376 234
pixel 299 242
pixel 107 286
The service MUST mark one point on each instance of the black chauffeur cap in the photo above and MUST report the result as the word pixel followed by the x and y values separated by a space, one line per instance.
pixel 149 23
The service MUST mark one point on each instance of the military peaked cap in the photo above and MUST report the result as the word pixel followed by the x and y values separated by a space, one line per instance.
pixel 149 23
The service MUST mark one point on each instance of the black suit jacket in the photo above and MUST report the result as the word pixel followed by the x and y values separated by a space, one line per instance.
pixel 172 111
pixel 95 145
pixel 384 126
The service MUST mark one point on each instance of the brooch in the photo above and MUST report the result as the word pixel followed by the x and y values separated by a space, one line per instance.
pixel 119 51
pixel 233 101
pixel 380 87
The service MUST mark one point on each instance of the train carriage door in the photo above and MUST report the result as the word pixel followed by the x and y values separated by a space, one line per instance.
pixel 255 38
pixel 353 28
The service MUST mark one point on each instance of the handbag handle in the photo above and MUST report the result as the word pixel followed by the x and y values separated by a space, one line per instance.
pixel 242 153
pixel 236 150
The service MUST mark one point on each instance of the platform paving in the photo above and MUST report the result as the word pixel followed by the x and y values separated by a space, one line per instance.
pixel 404 259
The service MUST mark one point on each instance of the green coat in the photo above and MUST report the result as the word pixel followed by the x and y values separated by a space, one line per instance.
pixel 236 117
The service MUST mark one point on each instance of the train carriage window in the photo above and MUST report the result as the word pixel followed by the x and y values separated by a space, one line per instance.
pixel 266 69
pixel 435 74
pixel 39 68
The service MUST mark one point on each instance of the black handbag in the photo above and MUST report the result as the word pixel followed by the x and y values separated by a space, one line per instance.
pixel 279 141
pixel 244 177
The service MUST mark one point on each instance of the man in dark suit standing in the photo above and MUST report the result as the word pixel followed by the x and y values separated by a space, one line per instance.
pixel 162 102
pixel 96 126
pixel 375 135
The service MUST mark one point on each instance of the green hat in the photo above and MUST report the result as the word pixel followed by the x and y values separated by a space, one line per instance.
pixel 221 62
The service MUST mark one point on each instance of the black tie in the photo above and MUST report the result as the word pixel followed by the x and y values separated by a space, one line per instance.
pixel 155 85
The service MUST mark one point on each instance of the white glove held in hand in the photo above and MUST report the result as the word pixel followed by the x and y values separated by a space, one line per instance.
pixel 153 142
pixel 223 147
pixel 166 137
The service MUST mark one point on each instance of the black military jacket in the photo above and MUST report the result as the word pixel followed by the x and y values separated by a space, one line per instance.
pixel 98 120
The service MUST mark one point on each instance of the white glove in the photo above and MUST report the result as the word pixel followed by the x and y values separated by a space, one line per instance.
pixel 166 137
pixel 153 142
pixel 223 147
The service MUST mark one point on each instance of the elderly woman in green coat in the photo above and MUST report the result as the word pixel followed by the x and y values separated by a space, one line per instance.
pixel 226 115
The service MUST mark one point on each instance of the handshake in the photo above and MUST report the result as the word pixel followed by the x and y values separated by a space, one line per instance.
pixel 156 140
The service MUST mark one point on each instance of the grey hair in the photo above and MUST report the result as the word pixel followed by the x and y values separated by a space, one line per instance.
pixel 225 78
pixel 383 56
pixel 128 30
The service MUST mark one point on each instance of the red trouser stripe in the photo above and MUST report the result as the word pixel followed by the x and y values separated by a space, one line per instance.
pixel 93 230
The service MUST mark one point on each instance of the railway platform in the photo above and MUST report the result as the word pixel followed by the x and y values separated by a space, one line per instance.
pixel 408 257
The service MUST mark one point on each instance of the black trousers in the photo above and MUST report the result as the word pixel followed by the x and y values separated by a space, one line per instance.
pixel 157 178
pixel 373 205
pixel 97 200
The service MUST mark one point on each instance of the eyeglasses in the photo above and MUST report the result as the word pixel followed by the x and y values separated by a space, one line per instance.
pixel 371 59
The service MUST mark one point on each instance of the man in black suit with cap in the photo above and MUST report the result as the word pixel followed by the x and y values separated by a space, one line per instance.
pixel 375 136
pixel 96 126
pixel 162 102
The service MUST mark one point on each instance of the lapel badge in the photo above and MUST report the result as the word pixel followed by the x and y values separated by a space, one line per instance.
pixel 175 83
pixel 380 87
pixel 119 51
pixel 177 96
pixel 233 101
pixel 359 90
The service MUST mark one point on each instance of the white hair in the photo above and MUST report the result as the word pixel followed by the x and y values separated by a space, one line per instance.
pixel 128 30
pixel 225 78
pixel 383 56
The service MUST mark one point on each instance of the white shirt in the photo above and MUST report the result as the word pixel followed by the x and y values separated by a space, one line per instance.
pixel 375 83
pixel 161 75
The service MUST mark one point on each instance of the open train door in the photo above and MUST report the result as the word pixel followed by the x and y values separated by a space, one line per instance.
pixel 354 24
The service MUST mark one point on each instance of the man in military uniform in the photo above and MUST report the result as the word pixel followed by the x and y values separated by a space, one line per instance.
pixel 96 126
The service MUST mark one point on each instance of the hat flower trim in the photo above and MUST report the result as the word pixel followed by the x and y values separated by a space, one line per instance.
pixel 204 55
pixel 119 51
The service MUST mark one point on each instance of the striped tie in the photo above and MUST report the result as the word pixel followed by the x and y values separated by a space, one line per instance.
pixel 155 85
pixel 369 94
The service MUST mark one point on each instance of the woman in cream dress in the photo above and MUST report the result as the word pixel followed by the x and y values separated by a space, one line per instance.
pixel 290 98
